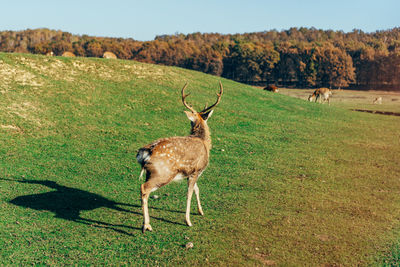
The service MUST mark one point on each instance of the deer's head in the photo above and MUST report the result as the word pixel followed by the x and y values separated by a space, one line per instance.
pixel 198 120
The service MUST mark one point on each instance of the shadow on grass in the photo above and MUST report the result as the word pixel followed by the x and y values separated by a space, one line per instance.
pixel 378 112
pixel 67 203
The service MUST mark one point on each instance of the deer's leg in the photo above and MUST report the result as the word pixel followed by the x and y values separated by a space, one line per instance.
pixel 191 182
pixel 145 190
pixel 197 192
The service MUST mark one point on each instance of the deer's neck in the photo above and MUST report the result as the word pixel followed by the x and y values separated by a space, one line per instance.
pixel 202 131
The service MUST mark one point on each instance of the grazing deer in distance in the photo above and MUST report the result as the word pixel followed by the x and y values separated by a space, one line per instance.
pixel 323 94
pixel 179 157
pixel 377 100
pixel 271 88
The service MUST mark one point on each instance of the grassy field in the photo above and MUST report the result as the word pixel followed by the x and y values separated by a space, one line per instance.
pixel 289 182
pixel 353 99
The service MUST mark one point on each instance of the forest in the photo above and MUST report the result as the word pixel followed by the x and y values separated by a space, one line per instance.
pixel 298 57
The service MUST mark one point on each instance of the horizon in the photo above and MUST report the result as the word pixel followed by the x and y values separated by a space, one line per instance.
pixel 144 21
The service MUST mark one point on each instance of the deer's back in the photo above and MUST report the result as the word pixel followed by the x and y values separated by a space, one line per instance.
pixel 324 92
pixel 175 155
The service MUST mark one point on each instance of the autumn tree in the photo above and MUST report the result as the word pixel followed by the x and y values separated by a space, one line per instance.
pixel 94 49
pixel 60 47
pixel 335 67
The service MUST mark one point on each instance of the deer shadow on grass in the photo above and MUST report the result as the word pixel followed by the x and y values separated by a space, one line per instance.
pixel 67 203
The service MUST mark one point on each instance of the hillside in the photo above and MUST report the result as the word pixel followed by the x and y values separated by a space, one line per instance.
pixel 300 57
pixel 289 182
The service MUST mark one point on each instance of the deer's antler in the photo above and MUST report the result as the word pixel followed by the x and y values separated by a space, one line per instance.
pixel 184 97
pixel 221 90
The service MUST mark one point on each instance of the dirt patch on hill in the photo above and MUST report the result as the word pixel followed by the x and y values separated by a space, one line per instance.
pixel 70 70
pixel 27 111
pixel 13 75
pixel 10 127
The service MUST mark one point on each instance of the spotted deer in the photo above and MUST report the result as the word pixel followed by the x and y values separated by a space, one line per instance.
pixel 323 94
pixel 176 158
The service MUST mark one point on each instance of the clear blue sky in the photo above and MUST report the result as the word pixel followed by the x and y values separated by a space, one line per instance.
pixel 143 20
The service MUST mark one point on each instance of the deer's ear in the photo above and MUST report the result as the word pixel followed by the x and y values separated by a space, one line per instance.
pixel 207 115
pixel 190 115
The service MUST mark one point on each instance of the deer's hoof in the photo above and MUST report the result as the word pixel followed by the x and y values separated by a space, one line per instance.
pixel 188 223
pixel 201 212
pixel 147 227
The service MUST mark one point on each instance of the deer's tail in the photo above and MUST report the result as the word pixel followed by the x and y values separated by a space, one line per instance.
pixel 142 157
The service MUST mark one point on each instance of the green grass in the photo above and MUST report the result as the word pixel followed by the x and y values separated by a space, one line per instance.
pixel 289 182
pixel 392 258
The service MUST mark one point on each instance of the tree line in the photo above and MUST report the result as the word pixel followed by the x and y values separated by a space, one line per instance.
pixel 299 57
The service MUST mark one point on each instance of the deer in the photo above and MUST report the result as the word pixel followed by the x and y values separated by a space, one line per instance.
pixel 272 88
pixel 177 158
pixel 323 94
pixel 377 100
